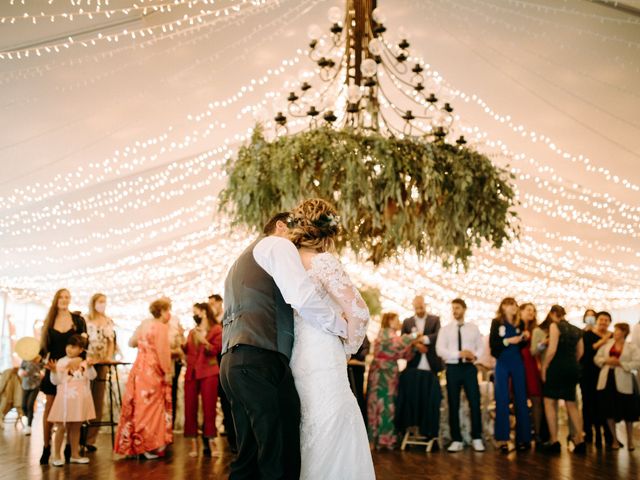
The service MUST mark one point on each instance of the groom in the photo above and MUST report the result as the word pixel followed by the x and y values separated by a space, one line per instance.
pixel 264 286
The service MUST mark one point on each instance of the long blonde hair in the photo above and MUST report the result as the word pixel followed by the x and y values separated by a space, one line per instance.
pixel 92 304
pixel 50 319
pixel 314 224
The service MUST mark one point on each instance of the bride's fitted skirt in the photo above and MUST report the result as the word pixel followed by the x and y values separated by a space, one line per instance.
pixel 333 436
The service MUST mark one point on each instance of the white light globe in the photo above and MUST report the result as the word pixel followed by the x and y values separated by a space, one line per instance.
pixel 354 94
pixel 314 32
pixel 378 15
pixel 335 14
pixel 375 46
pixel 369 67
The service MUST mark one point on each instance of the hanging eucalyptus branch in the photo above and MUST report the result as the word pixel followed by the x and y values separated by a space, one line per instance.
pixel 392 194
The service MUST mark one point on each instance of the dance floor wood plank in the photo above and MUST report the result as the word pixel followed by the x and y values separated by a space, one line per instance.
pixel 19 461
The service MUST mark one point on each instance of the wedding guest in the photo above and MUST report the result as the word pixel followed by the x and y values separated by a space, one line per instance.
pixel 593 340
pixel 59 325
pixel 635 335
pixel 356 367
pixel 73 404
pixel 507 336
pixel 460 344
pixel 202 347
pixel 560 374
pixel 102 348
pixel 382 383
pixel 528 314
pixel 31 374
pixel 176 339
pixel 215 302
pixel 589 319
pixel 419 393
pixel 616 398
pixel 145 419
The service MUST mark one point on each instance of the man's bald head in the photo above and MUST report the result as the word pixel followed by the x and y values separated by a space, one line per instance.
pixel 419 306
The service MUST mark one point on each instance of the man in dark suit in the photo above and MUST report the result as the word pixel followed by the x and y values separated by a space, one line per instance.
pixel 419 394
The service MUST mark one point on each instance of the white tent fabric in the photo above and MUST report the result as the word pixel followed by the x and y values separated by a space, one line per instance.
pixel 112 152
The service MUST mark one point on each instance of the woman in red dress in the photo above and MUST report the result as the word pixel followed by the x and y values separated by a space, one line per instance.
pixel 528 314
pixel 145 420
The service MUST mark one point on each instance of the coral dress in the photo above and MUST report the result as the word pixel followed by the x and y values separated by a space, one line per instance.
pixel 145 419
pixel 73 402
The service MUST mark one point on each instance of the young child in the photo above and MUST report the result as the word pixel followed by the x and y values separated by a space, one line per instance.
pixel 31 374
pixel 73 403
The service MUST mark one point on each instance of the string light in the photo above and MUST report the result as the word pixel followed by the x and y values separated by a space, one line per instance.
pixel 142 32
pixel 183 268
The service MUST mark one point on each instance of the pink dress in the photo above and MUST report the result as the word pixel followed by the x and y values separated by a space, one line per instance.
pixel 145 419
pixel 73 401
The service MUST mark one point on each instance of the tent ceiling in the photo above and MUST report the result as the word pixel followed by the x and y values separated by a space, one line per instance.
pixel 99 145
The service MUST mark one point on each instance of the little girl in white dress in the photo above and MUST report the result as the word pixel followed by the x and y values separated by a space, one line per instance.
pixel 73 403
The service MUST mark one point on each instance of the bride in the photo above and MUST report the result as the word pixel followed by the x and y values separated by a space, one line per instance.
pixel 333 436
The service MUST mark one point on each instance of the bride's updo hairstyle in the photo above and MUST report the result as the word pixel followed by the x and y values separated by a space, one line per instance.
pixel 314 224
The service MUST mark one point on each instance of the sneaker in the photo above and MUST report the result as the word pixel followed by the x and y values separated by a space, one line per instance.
pixel 455 447
pixel 82 460
pixel 27 430
pixel 478 445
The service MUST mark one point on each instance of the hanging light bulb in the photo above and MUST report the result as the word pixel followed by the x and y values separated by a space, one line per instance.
pixel 369 67
pixel 375 46
pixel 378 15
pixel 354 94
pixel 314 32
pixel 335 14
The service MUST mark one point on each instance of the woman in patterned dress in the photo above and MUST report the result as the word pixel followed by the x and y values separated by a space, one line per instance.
pixel 102 348
pixel 145 420
pixel 382 384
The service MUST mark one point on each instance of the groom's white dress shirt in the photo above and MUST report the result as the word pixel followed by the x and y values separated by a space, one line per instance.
pixel 280 259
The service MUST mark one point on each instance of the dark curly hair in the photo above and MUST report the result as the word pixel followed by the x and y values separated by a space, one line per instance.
pixel 314 224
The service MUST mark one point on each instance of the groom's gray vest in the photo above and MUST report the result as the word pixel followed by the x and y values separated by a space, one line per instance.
pixel 255 312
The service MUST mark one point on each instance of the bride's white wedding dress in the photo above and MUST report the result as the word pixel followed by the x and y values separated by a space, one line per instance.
pixel 333 437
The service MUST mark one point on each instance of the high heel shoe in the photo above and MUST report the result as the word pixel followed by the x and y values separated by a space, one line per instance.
pixel 553 447
pixel 46 453
pixel 580 448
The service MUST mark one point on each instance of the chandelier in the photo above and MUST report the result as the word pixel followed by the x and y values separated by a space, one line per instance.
pixel 366 83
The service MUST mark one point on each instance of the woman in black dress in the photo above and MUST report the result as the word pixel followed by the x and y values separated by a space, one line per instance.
pixel 616 399
pixel 59 325
pixel 593 339
pixel 560 374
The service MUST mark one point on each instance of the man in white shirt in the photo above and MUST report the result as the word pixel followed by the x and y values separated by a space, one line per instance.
pixel 635 335
pixel 263 287
pixel 460 345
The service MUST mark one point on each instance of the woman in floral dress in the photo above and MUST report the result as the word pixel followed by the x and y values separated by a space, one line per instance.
pixel 382 384
pixel 145 421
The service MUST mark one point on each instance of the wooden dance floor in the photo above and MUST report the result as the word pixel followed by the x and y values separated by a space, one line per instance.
pixel 19 461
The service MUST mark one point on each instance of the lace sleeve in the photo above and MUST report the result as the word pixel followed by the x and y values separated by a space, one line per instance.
pixel 338 284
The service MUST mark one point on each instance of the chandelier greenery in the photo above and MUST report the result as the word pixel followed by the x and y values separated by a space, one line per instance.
pixel 368 132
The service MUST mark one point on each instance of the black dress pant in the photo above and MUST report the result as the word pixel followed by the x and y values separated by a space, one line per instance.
pixel 266 414
pixel 356 380
pixel 459 376
pixel 177 367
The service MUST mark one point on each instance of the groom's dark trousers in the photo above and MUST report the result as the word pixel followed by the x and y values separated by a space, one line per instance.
pixel 266 413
